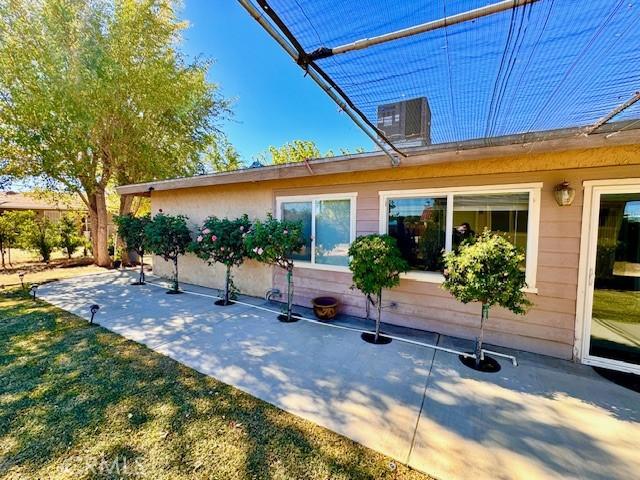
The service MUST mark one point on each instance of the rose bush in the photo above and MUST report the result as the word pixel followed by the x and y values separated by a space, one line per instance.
pixel 274 242
pixel 222 241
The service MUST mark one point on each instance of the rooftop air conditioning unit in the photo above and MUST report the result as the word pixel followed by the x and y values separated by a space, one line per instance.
pixel 406 123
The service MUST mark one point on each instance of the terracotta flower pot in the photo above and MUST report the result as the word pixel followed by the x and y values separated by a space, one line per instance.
pixel 325 308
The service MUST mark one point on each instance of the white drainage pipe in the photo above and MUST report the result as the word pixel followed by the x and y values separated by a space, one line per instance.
pixel 513 359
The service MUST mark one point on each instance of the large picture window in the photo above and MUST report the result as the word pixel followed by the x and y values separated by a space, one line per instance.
pixel 328 227
pixel 427 223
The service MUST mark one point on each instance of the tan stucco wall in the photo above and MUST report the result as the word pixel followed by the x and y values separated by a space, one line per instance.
pixel 548 328
pixel 197 204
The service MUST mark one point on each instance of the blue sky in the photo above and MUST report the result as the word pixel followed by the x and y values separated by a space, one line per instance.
pixel 273 102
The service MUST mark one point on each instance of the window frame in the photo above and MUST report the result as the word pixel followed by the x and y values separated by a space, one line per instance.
pixel 533 223
pixel 314 199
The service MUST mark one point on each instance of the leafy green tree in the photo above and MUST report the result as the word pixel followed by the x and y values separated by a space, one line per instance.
pixel 132 230
pixel 97 93
pixel 69 233
pixel 41 235
pixel 12 226
pixel 168 236
pixel 222 241
pixel 225 158
pixel 376 263
pixel 274 242
pixel 488 270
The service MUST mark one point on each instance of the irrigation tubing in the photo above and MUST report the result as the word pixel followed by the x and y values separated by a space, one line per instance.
pixel 513 359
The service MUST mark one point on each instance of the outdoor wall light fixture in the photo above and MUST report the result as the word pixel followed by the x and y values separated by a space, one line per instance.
pixel 33 289
pixel 93 309
pixel 564 194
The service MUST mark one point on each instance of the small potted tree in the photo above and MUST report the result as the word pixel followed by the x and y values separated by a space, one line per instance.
pixel 222 241
pixel 168 236
pixel 274 242
pixel 376 263
pixel 487 270
pixel 132 231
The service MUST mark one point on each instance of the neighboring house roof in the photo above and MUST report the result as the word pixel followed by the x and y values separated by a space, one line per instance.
pixel 540 142
pixel 27 201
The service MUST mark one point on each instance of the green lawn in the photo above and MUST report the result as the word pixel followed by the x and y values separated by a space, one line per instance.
pixel 616 305
pixel 81 402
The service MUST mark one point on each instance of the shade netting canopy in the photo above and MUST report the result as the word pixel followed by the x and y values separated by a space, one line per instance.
pixel 546 65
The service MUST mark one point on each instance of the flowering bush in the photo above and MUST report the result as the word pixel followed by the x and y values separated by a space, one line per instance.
pixel 274 242
pixel 222 241
pixel 376 263
pixel 487 269
pixel 169 237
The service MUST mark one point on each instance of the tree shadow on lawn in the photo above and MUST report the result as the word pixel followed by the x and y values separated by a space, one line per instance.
pixel 78 401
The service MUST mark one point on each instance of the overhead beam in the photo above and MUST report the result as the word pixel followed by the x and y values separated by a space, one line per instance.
pixel 612 113
pixel 325 52
pixel 315 76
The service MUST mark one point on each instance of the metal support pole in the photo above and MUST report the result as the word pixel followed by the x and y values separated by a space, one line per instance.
pixel 422 28
pixel 249 7
pixel 612 114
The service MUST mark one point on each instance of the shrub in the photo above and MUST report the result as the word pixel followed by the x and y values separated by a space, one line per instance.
pixel 487 270
pixel 376 263
pixel 69 233
pixel 168 236
pixel 41 236
pixel 222 241
pixel 274 242
pixel 132 231
pixel 12 231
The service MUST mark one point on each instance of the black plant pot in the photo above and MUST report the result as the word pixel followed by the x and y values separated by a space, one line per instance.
pixel 174 292
pixel 117 263
pixel 370 337
pixel 221 303
pixel 488 365
pixel 284 319
pixel 630 381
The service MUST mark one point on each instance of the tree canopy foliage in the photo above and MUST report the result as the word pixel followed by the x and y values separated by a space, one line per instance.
pixel 98 93
pixel 297 151
pixel 488 270
pixel 169 237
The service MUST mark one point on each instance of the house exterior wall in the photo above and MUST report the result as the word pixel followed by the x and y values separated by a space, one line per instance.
pixel 549 326
pixel 197 204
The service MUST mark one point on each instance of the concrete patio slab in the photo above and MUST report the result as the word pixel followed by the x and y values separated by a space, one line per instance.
pixel 543 419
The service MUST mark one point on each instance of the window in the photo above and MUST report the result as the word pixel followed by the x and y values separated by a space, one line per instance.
pixel 328 227
pixel 419 227
pixel 507 213
pixel 426 224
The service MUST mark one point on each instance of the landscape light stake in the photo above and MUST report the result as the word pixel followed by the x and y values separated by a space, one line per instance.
pixel 33 289
pixel 93 309
pixel 21 275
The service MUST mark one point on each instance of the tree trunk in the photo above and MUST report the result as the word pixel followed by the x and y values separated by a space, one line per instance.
pixel 125 208
pixel 98 220
pixel 226 285
pixel 289 291
pixel 176 286
pixel 379 317
pixel 2 254
pixel 141 278
pixel 480 339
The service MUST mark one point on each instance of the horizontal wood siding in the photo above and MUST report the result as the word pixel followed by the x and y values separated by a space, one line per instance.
pixel 548 328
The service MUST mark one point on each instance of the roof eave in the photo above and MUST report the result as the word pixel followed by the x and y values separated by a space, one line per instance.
pixel 539 142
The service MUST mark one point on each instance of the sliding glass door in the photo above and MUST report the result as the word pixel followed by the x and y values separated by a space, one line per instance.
pixel 612 329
